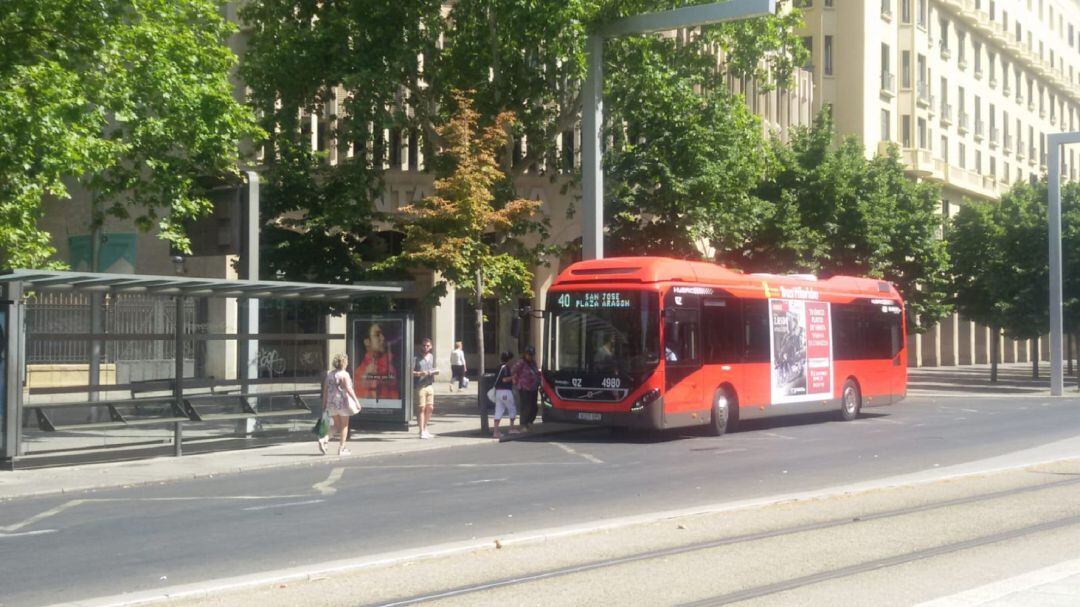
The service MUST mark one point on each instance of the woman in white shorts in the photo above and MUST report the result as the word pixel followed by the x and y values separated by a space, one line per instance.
pixel 504 396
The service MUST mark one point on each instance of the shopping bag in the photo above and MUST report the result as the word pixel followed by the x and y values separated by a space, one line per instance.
pixel 464 382
pixel 491 394
pixel 322 425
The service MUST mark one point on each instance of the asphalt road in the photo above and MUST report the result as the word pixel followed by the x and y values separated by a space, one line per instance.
pixel 130 539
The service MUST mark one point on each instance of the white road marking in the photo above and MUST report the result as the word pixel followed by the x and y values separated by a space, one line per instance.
pixel 42 516
pixel 73 503
pixel 990 593
pixel 970 410
pixel 482 481
pixel 777 435
pixel 591 458
pixel 25 533
pixel 325 487
pixel 288 505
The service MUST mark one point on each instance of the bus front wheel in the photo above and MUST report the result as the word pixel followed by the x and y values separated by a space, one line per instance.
pixel 722 416
pixel 850 401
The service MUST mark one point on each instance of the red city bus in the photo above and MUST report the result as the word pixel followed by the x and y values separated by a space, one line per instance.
pixel 651 342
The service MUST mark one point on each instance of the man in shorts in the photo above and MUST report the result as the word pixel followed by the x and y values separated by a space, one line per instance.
pixel 424 373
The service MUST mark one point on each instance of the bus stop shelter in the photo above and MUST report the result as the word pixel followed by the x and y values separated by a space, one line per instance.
pixel 115 337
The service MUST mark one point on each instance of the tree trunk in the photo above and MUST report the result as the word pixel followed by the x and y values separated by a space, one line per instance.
pixel 1033 348
pixel 480 320
pixel 995 341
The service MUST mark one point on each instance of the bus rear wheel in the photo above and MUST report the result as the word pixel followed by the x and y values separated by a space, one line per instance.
pixel 723 414
pixel 850 401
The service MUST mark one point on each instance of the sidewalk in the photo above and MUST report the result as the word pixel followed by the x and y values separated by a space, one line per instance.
pixel 1014 379
pixel 456 423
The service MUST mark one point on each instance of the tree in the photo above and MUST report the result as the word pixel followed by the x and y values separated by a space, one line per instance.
pixel 129 100
pixel 684 164
pixel 369 67
pixel 461 232
pixel 977 266
pixel 1001 262
pixel 832 211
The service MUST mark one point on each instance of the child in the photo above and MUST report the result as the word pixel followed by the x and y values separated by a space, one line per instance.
pixel 504 396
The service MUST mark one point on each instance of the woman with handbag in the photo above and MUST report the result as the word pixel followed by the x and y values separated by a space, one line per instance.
pixel 339 399
pixel 505 403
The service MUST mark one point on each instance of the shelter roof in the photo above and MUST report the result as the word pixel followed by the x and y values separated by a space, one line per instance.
pixel 196 287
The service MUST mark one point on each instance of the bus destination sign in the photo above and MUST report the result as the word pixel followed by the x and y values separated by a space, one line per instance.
pixel 593 300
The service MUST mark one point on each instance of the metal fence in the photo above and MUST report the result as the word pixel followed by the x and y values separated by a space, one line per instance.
pixel 57 313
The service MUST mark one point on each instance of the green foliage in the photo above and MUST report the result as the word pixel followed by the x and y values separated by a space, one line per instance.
pixel 832 211
pixel 525 58
pixel 130 100
pixel 462 230
pixel 684 164
pixel 1000 257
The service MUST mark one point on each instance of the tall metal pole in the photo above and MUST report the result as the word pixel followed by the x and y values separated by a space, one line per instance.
pixel 1054 142
pixel 592 178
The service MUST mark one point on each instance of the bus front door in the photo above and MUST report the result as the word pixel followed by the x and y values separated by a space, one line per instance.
pixel 684 401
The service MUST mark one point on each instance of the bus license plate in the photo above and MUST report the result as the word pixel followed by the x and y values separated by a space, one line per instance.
pixel 589 417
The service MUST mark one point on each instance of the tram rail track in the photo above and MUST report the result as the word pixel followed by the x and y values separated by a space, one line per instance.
pixel 799 581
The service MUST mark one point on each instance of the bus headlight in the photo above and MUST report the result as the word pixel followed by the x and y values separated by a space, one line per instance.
pixel 645 399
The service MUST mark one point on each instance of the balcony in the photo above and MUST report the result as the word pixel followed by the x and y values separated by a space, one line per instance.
pixel 921 163
pixel 993 83
pixel 1008 144
pixel 946 114
pixel 962 122
pixel 993 137
pixel 886 11
pixel 1020 149
pixel 946 53
pixel 922 94
pixel 1033 156
pixel 888 85
pixel 978 130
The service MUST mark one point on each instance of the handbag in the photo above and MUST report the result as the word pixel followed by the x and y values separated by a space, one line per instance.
pixel 491 394
pixel 464 382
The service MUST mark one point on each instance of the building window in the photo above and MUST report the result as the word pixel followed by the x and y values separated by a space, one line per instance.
pixel 886 75
pixel 886 9
pixel 808 44
pixel 827 55
pixel 921 133
pixel 905 130
pixel 978 58
pixel 945 148
pixel 922 14
pixel 905 69
pixel 961 155
pixel 886 135
pixel 905 11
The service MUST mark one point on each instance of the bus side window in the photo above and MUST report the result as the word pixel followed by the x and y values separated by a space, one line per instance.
pixel 756 331
pixel 721 335
pixel 847 332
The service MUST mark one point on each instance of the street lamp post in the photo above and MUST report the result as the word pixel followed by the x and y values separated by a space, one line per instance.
pixel 1053 177
pixel 592 112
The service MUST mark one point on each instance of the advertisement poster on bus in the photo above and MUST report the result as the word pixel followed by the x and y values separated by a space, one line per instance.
pixel 801 350
pixel 379 355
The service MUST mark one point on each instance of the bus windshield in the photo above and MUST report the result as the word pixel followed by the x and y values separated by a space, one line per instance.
pixel 602 333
